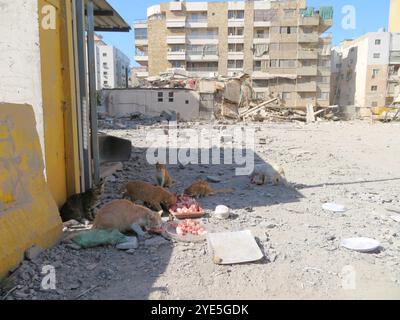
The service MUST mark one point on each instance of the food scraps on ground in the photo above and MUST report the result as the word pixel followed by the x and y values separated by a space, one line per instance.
pixel 190 226
pixel 186 206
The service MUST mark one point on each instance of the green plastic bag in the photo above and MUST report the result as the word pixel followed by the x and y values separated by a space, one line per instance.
pixel 94 238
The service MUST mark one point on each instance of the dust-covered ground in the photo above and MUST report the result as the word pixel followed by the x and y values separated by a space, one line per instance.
pixel 356 164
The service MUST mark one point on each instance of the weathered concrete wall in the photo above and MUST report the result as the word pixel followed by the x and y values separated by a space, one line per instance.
pixel 20 80
pixel 125 102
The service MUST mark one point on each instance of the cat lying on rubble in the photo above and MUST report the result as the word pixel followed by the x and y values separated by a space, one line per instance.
pixel 201 188
pixel 154 196
pixel 264 172
pixel 124 216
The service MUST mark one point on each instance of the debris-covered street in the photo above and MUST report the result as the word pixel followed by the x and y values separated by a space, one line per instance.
pixel 355 164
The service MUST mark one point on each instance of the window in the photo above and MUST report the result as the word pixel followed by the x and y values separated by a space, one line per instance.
pixel 186 101
pixel 308 30
pixel 374 104
pixel 264 14
pixel 141 33
pixel 287 63
pixel 235 47
pixel 274 63
pixel 323 96
pixel 261 34
pixel 377 42
pixel 105 73
pixel 286 96
pixel 324 79
pixel 288 30
pixel 104 54
pixel 160 97
pixel 105 65
pixel 375 73
pixel 177 64
pixel 289 13
pixel 235 31
pixel 374 88
pixel 171 97
pixel 257 66
pixel 338 65
pixel 177 48
pixel 235 14
pixel 235 64
pixel 377 55
pixel 197 17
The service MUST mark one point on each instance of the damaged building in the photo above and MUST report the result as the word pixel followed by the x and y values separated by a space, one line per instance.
pixel 282 45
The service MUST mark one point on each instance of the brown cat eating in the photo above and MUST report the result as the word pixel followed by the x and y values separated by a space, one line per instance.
pixel 154 196
pixel 202 189
pixel 124 215
pixel 163 177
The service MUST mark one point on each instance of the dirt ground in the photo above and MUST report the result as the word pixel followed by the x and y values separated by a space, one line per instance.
pixel 356 164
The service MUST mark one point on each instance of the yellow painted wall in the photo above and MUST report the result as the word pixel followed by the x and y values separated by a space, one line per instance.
pixel 59 108
pixel 28 214
pixel 394 19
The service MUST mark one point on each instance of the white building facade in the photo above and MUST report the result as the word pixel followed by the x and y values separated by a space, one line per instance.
pixel 365 71
pixel 112 66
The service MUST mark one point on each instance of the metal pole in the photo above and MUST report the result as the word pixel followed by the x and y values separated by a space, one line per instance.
pixel 92 92
pixel 82 97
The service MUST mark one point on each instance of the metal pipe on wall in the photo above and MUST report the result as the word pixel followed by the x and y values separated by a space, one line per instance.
pixel 92 92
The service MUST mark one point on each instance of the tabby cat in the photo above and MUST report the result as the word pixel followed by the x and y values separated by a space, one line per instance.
pixel 79 207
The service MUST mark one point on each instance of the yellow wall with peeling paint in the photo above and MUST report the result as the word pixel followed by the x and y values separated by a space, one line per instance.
pixel 28 213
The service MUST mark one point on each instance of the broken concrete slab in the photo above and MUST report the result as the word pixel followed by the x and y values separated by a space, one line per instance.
pixel 33 253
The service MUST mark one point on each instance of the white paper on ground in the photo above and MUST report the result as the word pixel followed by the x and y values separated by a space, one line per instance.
pixel 334 207
pixel 234 247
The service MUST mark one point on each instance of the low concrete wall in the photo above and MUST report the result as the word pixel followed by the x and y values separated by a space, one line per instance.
pixel 122 102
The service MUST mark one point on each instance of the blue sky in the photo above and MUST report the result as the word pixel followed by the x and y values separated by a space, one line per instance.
pixel 370 16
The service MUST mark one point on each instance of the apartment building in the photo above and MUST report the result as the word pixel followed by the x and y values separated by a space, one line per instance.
pixel 112 66
pixel 281 44
pixel 394 14
pixel 365 71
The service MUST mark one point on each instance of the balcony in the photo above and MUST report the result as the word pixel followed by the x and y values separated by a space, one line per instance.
pixel 394 57
pixel 176 23
pixel 235 55
pixel 199 56
pixel 197 23
pixel 308 54
pixel 202 39
pixel 176 55
pixel 307 71
pixel 202 72
pixel 235 38
pixel 236 23
pixel 262 23
pixel 140 24
pixel 261 39
pixel 309 21
pixel 307 87
pixel 141 56
pixel 308 37
pixel 176 39
pixel 141 41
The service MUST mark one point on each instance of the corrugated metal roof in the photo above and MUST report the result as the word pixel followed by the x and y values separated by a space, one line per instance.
pixel 106 18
